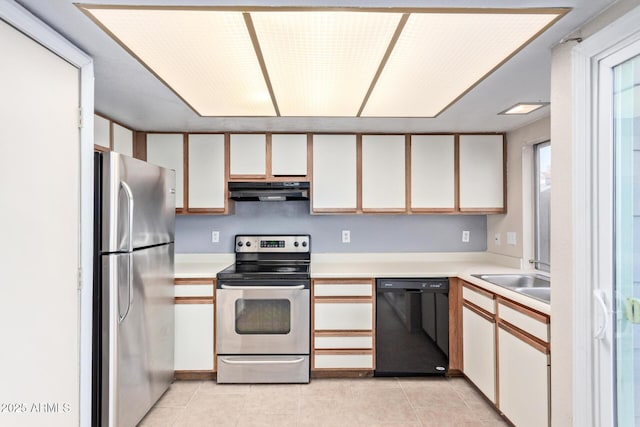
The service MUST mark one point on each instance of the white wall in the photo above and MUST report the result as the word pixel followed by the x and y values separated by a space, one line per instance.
pixel 564 150
pixel 518 218
pixel 46 174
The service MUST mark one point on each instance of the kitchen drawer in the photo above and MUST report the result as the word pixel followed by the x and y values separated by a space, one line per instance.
pixel 337 360
pixel 193 290
pixel 337 289
pixel 529 321
pixel 343 315
pixel 343 341
pixel 482 299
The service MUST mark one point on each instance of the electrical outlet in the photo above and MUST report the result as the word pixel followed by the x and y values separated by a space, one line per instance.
pixel 465 236
pixel 346 236
pixel 496 239
pixel 511 238
pixel 215 237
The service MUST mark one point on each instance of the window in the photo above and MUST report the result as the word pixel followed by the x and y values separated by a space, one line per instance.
pixel 542 194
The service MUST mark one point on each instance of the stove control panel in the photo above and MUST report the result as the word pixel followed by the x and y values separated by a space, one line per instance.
pixel 273 243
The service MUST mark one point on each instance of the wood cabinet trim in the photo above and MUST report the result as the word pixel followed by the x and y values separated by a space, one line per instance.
pixel 267 157
pixel 343 333
pixel 525 337
pixel 479 311
pixel 195 375
pixel 343 352
pixel 194 281
pixel 479 290
pixel 194 300
pixel 540 317
pixel 343 300
pixel 407 175
pixel 185 171
pixel 456 173
pixel 343 282
pixel 359 172
pixel 456 349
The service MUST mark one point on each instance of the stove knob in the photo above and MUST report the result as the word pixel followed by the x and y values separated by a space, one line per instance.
pixel 296 244
pixel 240 244
pixel 248 244
pixel 304 244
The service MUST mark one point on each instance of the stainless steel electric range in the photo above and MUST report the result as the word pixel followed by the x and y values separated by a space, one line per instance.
pixel 263 311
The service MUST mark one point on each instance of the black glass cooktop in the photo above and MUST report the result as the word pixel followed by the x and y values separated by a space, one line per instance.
pixel 268 270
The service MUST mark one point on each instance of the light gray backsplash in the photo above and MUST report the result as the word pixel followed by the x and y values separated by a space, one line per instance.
pixel 369 233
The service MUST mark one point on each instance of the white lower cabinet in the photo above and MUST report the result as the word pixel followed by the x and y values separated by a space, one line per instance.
pixel 479 351
pixel 343 326
pixel 194 332
pixel 194 354
pixel 523 380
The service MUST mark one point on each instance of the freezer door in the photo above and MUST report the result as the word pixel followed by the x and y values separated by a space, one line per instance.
pixel 138 315
pixel 137 203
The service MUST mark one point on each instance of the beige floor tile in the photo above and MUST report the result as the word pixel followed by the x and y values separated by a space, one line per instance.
pixel 327 389
pixel 274 403
pixel 211 387
pixel 161 417
pixel 267 420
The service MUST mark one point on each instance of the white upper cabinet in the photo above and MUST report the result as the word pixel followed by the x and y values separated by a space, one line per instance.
pixel 481 173
pixel 335 173
pixel 206 171
pixel 101 132
pixel 289 155
pixel 122 140
pixel 166 150
pixel 433 172
pixel 383 172
pixel 248 154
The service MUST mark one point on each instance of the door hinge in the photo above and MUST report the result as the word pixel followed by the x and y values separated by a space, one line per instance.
pixel 80 124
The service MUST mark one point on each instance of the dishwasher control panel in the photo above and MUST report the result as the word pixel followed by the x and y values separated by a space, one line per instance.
pixel 431 284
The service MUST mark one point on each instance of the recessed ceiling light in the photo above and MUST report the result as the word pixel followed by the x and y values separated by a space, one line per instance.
pixel 343 62
pixel 523 108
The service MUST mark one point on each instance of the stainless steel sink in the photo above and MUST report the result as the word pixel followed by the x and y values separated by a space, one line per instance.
pixel 543 294
pixel 513 281
pixel 533 285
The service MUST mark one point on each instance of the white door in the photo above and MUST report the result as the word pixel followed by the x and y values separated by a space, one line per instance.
pixel 616 240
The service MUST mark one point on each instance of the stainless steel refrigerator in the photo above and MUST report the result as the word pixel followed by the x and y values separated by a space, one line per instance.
pixel 133 331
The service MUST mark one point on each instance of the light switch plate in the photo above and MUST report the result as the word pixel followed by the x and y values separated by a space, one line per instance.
pixel 511 238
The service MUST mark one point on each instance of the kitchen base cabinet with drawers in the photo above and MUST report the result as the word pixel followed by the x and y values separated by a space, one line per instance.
pixel 343 313
pixel 507 355
pixel 194 329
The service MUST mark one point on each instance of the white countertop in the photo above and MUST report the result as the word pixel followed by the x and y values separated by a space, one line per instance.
pixel 375 265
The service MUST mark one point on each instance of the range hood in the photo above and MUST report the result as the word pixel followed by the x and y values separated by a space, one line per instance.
pixel 268 191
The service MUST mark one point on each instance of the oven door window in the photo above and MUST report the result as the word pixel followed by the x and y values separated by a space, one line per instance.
pixel 263 316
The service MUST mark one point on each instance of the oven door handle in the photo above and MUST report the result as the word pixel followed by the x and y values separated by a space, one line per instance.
pixel 263 288
pixel 261 362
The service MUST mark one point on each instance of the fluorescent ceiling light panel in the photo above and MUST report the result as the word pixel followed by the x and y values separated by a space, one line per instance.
pixel 523 108
pixel 441 56
pixel 321 63
pixel 261 61
pixel 205 56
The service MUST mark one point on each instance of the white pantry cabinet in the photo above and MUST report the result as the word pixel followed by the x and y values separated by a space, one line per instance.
pixel 248 155
pixel 206 184
pixel 335 173
pixel 289 155
pixel 167 150
pixel 194 328
pixel 122 140
pixel 433 173
pixel 383 173
pixel 481 169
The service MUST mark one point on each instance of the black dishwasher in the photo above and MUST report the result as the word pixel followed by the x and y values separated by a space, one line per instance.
pixel 412 327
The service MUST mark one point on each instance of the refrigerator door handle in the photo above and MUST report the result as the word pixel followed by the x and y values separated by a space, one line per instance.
pixel 121 317
pixel 129 194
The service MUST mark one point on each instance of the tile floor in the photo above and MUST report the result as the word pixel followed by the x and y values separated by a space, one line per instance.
pixel 325 402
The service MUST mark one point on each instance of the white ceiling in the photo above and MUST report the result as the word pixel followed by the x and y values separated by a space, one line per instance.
pixel 130 94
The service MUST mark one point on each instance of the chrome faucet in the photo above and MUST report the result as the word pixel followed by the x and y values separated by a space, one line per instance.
pixel 537 261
